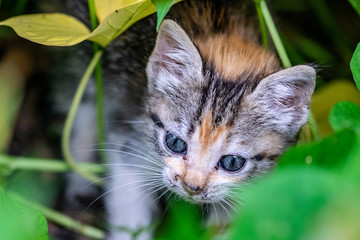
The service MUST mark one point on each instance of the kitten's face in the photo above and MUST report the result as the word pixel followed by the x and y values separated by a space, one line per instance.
pixel 204 160
pixel 213 133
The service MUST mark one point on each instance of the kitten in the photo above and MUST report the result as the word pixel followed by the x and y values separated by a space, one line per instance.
pixel 214 109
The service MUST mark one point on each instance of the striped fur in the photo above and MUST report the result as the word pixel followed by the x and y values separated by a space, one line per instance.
pixel 212 84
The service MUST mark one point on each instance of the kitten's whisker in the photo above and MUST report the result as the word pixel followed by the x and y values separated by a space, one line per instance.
pixel 170 201
pixel 233 205
pixel 161 195
pixel 140 174
pixel 150 155
pixel 117 188
pixel 134 155
pixel 152 184
pixel 156 170
pixel 152 161
pixel 225 209
pixel 131 173
pixel 151 152
pixel 216 214
pixel 158 188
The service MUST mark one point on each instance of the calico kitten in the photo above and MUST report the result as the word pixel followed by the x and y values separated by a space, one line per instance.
pixel 222 108
pixel 214 109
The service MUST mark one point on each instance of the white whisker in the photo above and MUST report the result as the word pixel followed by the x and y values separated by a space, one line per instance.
pixel 133 165
pixel 122 186
pixel 167 190
pixel 158 188
pixel 225 209
pixel 134 155
pixel 216 214
pixel 150 155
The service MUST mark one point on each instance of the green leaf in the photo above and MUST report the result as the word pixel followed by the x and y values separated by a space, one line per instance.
pixel 18 221
pixel 62 30
pixel 34 186
pixel 330 152
pixel 120 20
pixel 299 203
pixel 282 205
pixel 356 5
pixel 345 115
pixel 53 29
pixel 183 221
pixel 106 7
pixel 355 63
pixel 162 8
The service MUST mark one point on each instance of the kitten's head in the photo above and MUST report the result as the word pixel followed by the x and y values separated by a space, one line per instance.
pixel 214 128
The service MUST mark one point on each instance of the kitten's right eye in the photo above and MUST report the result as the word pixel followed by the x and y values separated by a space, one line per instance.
pixel 232 163
pixel 175 144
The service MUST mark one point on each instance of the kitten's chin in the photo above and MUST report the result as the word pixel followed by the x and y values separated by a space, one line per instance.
pixel 198 198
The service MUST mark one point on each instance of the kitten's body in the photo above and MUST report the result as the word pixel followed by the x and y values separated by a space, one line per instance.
pixel 213 112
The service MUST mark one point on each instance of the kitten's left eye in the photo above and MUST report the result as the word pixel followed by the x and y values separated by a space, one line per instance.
pixel 175 144
pixel 232 163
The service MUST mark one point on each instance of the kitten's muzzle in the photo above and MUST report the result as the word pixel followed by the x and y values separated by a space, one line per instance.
pixel 192 189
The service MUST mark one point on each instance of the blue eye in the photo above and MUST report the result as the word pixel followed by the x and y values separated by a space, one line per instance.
pixel 175 144
pixel 232 163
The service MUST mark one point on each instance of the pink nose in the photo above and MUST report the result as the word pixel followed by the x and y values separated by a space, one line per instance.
pixel 192 189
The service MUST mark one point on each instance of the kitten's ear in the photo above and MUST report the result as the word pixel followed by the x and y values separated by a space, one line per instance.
pixel 175 59
pixel 286 95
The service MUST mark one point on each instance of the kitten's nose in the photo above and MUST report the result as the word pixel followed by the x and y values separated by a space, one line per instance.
pixel 192 189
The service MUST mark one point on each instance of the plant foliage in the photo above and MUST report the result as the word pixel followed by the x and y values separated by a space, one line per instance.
pixel 18 221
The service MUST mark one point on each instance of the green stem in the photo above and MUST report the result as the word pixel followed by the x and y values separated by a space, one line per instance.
pixel 262 26
pixel 65 141
pixel 99 87
pixel 21 163
pixel 61 219
pixel 100 108
pixel 274 35
pixel 313 126
pixel 92 13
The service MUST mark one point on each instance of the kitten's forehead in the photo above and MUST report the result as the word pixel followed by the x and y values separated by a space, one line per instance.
pixel 232 56
pixel 221 100
pixel 209 133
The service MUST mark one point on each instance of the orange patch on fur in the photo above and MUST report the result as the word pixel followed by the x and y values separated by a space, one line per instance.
pixel 231 56
pixel 208 135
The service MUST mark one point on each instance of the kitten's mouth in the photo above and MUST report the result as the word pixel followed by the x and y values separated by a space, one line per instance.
pixel 203 196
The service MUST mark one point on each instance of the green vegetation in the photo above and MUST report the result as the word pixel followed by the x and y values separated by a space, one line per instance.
pixel 314 192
